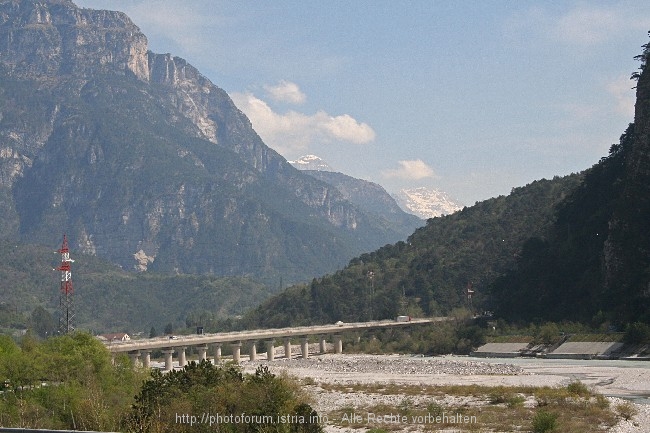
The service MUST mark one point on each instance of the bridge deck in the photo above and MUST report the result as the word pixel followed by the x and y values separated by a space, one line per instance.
pixel 257 334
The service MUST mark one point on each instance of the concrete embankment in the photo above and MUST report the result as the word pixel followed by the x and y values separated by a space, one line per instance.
pixel 500 350
pixel 566 350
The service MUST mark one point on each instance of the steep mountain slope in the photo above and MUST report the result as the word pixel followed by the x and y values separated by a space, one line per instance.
pixel 367 196
pixel 143 161
pixel 372 199
pixel 595 263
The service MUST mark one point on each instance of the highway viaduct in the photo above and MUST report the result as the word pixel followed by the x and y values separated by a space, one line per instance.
pixel 142 348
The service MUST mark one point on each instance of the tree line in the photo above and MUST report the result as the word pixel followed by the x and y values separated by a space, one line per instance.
pixel 72 382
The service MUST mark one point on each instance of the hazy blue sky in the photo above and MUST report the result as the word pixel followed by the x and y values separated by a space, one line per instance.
pixel 473 98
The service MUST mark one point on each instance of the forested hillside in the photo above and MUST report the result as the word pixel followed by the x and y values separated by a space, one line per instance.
pixel 574 248
pixel 109 299
pixel 429 273
pixel 595 263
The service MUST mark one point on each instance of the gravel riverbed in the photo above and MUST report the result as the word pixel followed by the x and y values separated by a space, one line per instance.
pixel 626 380
pixel 394 365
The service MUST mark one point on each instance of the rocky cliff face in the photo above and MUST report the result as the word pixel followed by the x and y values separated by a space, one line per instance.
pixel 42 39
pixel 372 199
pixel 218 120
pixel 47 41
pixel 142 160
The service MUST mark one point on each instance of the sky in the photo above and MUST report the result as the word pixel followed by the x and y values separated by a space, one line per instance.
pixel 472 98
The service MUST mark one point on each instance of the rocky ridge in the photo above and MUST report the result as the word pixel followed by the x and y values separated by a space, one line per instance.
pixel 143 161
pixel 369 197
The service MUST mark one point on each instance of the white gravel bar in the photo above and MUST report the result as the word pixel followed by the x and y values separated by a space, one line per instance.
pixel 615 379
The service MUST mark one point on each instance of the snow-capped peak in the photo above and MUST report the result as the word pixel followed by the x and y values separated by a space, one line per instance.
pixel 311 162
pixel 426 202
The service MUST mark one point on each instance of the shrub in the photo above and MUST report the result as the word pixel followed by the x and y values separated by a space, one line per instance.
pixel 499 395
pixel 434 409
pixel 601 401
pixel 544 422
pixel 548 333
pixel 405 406
pixel 578 389
pixel 546 395
pixel 637 333
pixel 626 410
pixel 516 400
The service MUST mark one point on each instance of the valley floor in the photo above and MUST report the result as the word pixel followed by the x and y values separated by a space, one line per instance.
pixel 348 389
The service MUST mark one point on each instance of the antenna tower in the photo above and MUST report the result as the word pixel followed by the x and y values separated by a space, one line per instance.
pixel 66 300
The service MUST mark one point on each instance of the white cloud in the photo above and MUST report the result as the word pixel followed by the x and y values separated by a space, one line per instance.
pixel 584 25
pixel 621 90
pixel 286 91
pixel 292 133
pixel 345 128
pixel 410 170
pixel 589 25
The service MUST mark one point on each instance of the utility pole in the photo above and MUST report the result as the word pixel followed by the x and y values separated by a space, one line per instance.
pixel 469 292
pixel 371 277
pixel 66 300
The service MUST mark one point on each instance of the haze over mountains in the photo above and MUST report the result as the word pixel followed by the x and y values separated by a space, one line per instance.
pixel 145 162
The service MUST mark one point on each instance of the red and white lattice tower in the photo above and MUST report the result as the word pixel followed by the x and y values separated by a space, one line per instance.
pixel 66 303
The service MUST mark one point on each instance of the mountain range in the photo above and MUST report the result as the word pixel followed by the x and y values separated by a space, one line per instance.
pixel 422 202
pixel 143 161
pixel 573 248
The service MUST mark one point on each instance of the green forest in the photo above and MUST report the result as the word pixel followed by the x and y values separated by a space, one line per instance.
pixel 430 272
pixel 109 299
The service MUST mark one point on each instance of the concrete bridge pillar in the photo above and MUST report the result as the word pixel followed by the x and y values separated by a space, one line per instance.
pixel 203 352
pixel 270 350
pixel 323 345
pixel 338 344
pixel 253 351
pixel 217 353
pixel 236 351
pixel 135 358
pixel 146 362
pixel 182 361
pixel 168 359
pixel 304 347
pixel 287 348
